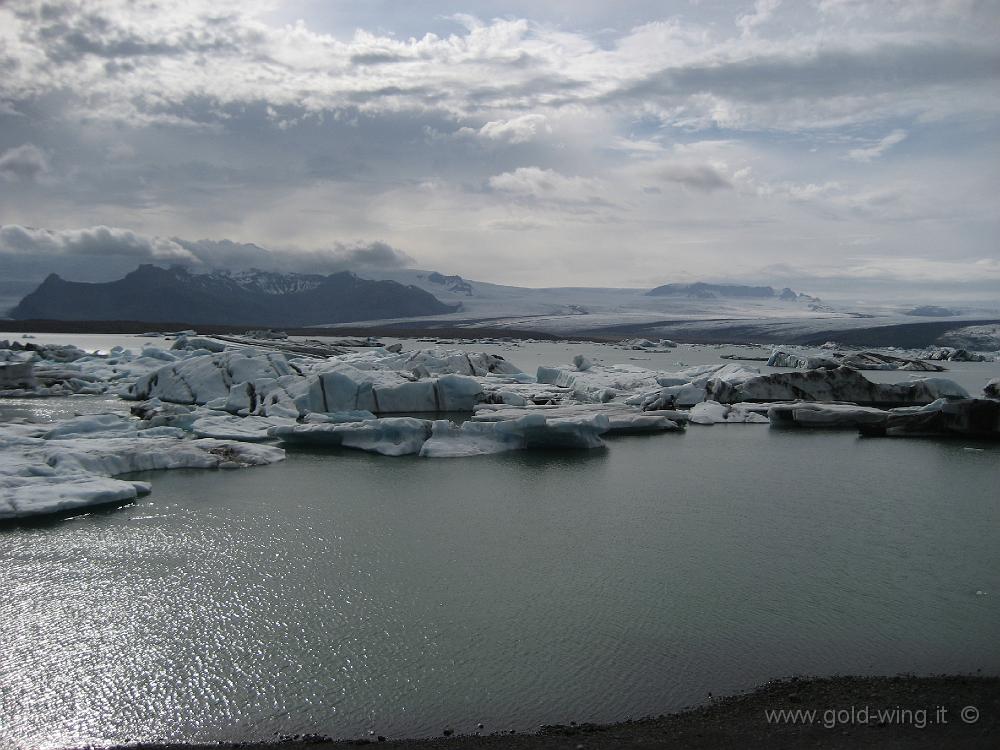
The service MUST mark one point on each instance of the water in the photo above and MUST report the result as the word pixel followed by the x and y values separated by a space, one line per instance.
pixel 347 593
pixel 343 592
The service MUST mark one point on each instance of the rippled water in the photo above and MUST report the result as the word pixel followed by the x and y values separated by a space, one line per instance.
pixel 344 593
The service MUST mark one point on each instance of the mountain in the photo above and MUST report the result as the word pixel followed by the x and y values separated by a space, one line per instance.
pixel 254 297
pixel 701 290
pixel 451 283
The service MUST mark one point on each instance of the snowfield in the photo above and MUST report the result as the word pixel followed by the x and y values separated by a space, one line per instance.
pixel 212 404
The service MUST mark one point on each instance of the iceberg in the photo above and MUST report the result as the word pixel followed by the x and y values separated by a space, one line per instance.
pixel 842 384
pixel 71 464
pixel 621 419
pixel 389 436
pixel 689 387
pixel 249 429
pixel 970 417
pixel 200 379
pixel 712 412
pixel 992 388
pixel 826 415
pixel 532 431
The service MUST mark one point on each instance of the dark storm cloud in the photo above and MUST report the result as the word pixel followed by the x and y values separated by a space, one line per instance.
pixel 115 242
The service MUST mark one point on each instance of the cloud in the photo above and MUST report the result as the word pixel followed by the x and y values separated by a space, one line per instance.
pixel 703 177
pixel 762 12
pixel 114 242
pixel 548 186
pixel 516 130
pixel 707 136
pixel 876 151
pixel 94 241
pixel 26 162
pixel 141 62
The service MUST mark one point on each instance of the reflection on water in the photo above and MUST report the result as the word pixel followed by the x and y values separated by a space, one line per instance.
pixel 342 592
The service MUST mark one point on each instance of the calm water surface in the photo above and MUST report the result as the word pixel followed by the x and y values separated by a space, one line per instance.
pixel 348 593
pixel 344 593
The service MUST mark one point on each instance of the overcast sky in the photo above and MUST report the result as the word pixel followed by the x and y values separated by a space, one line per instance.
pixel 848 143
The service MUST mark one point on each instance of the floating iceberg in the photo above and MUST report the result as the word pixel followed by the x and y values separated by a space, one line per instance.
pixel 691 386
pixel 201 379
pixel 970 417
pixel 532 431
pixel 67 465
pixel 815 414
pixel 389 436
pixel 842 384
pixel 712 412
pixel 399 436
pixel 621 419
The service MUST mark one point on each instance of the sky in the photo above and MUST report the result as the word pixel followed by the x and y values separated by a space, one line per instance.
pixel 845 145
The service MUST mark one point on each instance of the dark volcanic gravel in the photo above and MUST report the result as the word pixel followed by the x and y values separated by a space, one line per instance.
pixel 917 712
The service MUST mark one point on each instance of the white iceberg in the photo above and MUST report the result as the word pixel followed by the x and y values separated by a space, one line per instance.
pixel 68 465
pixel 621 419
pixel 712 412
pixel 201 379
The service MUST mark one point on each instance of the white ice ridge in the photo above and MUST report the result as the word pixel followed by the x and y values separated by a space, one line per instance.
pixel 69 465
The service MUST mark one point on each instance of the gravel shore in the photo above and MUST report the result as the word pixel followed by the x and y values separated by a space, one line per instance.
pixel 837 712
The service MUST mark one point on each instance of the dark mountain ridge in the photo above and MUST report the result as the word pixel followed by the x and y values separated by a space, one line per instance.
pixel 251 297
pixel 702 290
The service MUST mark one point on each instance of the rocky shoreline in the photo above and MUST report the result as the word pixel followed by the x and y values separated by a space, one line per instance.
pixel 954 711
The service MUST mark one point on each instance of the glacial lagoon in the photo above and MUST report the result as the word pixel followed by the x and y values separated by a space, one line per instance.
pixel 348 593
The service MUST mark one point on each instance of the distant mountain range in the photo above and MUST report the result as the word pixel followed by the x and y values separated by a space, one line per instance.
pixel 701 290
pixel 254 297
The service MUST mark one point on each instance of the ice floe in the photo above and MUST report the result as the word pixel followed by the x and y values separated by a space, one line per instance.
pixel 68 465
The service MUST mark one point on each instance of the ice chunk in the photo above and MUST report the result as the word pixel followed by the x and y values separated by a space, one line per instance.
pixel 712 412
pixel 970 417
pixel 200 379
pixel 532 431
pixel 199 342
pixel 17 374
pixel 432 362
pixel 815 414
pixel 390 436
pixel 621 418
pixel 226 427
pixel 599 383
pixel 842 384
pixel 27 496
pixel 71 464
pixel 992 388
